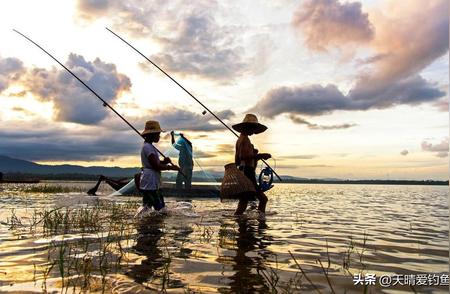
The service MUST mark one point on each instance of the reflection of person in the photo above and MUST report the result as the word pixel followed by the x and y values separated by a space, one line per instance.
pixel 150 179
pixel 250 243
pixel 246 158
pixel 184 146
pixel 150 232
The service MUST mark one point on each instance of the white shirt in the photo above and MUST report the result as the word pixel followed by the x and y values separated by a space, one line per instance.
pixel 150 178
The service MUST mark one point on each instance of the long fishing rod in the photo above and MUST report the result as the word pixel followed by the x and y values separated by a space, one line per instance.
pixel 106 104
pixel 212 113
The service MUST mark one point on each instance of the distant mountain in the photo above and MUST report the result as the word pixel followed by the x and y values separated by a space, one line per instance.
pixel 17 168
pixel 10 165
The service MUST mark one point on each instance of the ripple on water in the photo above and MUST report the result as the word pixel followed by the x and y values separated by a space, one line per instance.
pixel 201 246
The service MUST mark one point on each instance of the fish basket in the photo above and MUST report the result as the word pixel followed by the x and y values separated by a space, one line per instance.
pixel 235 184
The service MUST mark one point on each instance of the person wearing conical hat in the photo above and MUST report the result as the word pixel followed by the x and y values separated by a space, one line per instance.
pixel 246 158
pixel 150 178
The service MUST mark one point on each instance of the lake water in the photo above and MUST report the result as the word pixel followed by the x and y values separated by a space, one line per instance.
pixel 313 239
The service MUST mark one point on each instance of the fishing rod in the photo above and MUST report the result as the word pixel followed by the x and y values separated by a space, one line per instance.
pixel 204 106
pixel 105 104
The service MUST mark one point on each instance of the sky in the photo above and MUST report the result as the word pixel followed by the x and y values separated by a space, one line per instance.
pixel 347 89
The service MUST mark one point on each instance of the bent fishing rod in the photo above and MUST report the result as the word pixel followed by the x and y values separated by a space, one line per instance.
pixel 105 104
pixel 212 113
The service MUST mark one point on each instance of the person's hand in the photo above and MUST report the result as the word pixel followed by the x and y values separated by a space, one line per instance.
pixel 256 151
pixel 175 167
pixel 166 160
pixel 265 156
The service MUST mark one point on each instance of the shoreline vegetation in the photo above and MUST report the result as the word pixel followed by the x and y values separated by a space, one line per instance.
pixel 33 178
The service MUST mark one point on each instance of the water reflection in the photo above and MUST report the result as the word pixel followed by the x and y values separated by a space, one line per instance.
pixel 150 231
pixel 249 243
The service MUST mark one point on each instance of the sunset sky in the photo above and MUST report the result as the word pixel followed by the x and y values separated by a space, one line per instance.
pixel 352 90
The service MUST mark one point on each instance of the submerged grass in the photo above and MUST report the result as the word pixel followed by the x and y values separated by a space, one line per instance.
pixel 53 189
pixel 89 244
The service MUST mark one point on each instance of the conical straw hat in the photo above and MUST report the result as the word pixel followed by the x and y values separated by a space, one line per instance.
pixel 250 122
pixel 151 126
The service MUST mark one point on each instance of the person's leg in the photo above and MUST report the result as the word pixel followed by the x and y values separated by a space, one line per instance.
pixel 147 198
pixel 242 206
pixel 188 178
pixel 179 181
pixel 158 203
pixel 262 201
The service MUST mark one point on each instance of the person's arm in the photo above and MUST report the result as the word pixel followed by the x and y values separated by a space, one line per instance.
pixel 248 152
pixel 172 137
pixel 159 166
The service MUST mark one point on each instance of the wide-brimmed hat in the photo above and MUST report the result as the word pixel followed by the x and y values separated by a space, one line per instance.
pixel 250 123
pixel 151 126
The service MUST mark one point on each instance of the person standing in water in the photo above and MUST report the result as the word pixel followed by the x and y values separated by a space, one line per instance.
pixel 246 158
pixel 184 146
pixel 150 178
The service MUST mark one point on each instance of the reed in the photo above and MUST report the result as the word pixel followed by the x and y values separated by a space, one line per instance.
pixel 53 189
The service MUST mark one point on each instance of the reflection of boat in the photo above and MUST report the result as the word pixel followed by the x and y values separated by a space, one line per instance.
pixel 126 187
pixel 170 190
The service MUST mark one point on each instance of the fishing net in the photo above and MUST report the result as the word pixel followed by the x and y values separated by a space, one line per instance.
pixel 182 150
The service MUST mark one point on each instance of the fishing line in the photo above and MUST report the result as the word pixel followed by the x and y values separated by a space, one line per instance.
pixel 105 104
pixel 206 108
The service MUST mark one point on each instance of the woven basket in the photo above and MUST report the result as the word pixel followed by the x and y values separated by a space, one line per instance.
pixel 235 184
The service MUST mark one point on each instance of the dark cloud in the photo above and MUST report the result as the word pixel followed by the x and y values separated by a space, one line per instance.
pixel 225 114
pixel 393 77
pixel 440 149
pixel 299 120
pixel 72 101
pixel 318 100
pixel 310 100
pixel 192 42
pixel 225 148
pixel 404 152
pixel 202 154
pixel 47 142
pixel 10 71
pixel 170 118
pixel 329 23
pixel 180 119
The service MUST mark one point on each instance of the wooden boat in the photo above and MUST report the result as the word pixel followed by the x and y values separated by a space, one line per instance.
pixel 127 187
pixel 170 190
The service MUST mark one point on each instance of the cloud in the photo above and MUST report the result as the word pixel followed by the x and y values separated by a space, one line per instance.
pixel 191 39
pixel 310 100
pixel 43 141
pixel 72 101
pixel 440 149
pixel 392 76
pixel 171 118
pixel 225 148
pixel 180 119
pixel 299 120
pixel 299 156
pixel 404 152
pixel 329 23
pixel 442 104
pixel 10 71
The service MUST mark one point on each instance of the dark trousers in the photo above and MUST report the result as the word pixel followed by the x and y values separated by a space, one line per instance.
pixel 243 202
pixel 186 179
pixel 153 198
